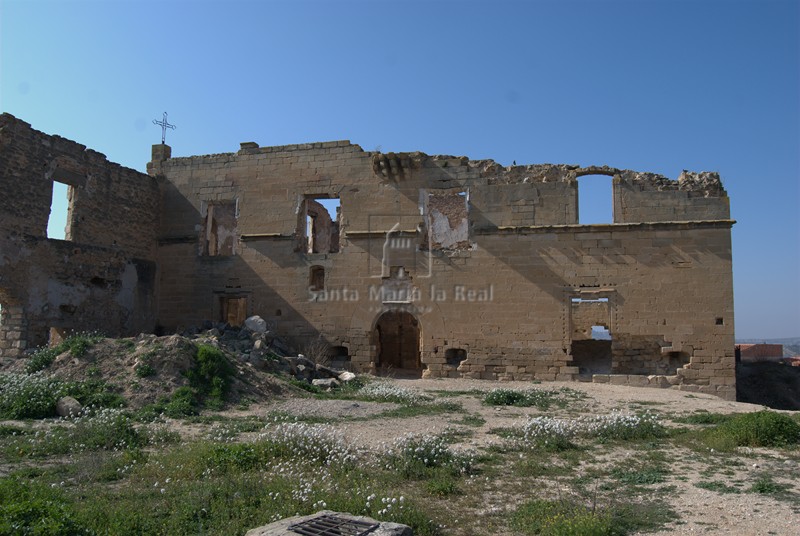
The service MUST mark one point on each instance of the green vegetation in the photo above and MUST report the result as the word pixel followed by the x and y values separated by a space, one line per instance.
pixel 34 396
pixel 540 398
pixel 144 370
pixel 76 345
pixel 759 429
pixel 211 376
pixel 703 417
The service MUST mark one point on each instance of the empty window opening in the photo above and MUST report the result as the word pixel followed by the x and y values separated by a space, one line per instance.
pixel 319 224
pixel 455 356
pixel 316 278
pixel 719 321
pixel 600 333
pixel 397 339
pixel 58 222
pixel 233 310
pixel 219 229
pixel 278 312
pixel 595 199
pixel 584 300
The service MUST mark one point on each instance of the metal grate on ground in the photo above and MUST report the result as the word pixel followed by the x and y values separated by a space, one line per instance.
pixel 330 525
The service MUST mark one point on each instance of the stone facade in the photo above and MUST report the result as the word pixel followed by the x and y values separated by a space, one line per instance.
pixel 440 265
pixel 103 275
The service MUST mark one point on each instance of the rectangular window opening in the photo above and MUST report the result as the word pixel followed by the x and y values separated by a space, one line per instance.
pixel 58 224
pixel 595 199
pixel 318 225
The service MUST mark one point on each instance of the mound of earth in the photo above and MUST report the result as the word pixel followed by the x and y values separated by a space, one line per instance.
pixel 146 368
pixel 774 385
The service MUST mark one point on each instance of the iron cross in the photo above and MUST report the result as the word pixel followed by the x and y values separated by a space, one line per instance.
pixel 164 126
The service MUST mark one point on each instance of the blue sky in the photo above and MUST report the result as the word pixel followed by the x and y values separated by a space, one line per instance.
pixel 647 85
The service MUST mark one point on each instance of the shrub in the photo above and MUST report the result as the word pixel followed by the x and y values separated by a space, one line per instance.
pixel 212 373
pixel 759 429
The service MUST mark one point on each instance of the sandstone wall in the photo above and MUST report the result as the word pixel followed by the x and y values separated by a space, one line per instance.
pixel 493 295
pixel 102 277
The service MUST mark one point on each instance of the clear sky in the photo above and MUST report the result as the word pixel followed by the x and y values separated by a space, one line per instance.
pixel 649 85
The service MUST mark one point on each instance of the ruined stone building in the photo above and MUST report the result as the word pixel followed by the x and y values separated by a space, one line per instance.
pixel 436 264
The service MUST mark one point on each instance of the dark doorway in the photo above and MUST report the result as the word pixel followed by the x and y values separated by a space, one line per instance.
pixel 593 356
pixel 397 340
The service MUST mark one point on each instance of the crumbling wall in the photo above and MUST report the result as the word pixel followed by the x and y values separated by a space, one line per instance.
pixel 491 292
pixel 103 276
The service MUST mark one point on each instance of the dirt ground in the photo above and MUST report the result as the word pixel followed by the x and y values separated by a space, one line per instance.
pixel 700 510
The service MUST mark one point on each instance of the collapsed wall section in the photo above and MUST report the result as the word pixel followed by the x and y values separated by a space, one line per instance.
pixel 102 276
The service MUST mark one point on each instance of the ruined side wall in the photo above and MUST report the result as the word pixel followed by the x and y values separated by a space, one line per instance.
pixel 102 277
pixel 503 295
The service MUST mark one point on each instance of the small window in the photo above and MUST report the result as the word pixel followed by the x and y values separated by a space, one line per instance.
pixel 58 223
pixel 316 278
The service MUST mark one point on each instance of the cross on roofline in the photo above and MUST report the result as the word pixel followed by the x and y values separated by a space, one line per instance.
pixel 164 124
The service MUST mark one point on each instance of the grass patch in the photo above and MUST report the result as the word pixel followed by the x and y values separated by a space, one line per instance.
pixel 758 429
pixel 765 485
pixel 539 398
pixel 570 517
pixel 717 486
pixel 703 417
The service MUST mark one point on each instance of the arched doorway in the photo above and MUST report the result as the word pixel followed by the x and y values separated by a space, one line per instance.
pixel 396 337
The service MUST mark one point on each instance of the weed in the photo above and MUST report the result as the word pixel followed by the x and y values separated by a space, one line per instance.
pixel 443 485
pixel 471 420
pixel 34 396
pixel 766 485
pixel 539 398
pixel 77 345
pixel 144 370
pixel 561 518
pixel 640 477
pixel 716 485
pixel 703 417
